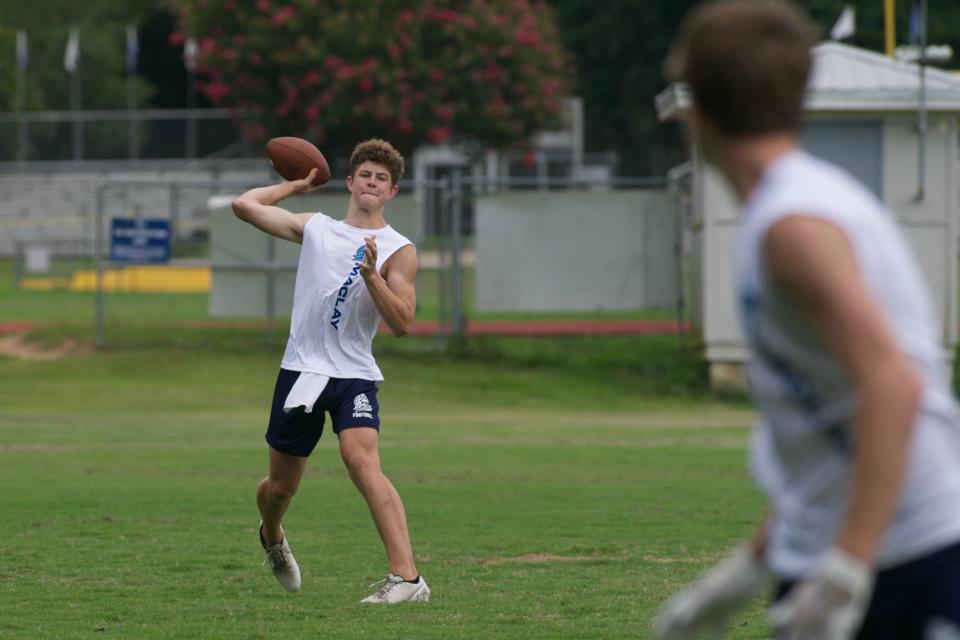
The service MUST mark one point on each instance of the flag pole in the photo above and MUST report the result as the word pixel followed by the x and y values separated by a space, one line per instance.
pixel 922 107
pixel 133 149
pixel 75 105
pixel 21 120
pixel 190 62
pixel 71 62
pixel 21 92
pixel 889 27
pixel 133 50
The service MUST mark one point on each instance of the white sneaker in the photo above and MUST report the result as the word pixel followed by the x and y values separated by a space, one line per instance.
pixel 281 562
pixel 396 589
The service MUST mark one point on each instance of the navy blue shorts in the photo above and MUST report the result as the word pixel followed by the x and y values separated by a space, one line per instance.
pixel 912 599
pixel 351 403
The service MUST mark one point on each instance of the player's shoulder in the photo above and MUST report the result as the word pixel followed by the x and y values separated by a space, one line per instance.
pixel 320 218
pixel 405 253
pixel 805 184
pixel 392 240
pixel 394 235
pixel 314 221
pixel 801 175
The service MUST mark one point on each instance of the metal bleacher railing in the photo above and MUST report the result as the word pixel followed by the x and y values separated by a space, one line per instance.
pixel 127 135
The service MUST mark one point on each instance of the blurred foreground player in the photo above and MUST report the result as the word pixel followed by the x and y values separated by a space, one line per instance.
pixel 858 448
pixel 351 273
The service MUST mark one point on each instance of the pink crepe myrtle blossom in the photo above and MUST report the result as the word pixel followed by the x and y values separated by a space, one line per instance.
pixel 284 14
pixel 439 134
pixel 494 72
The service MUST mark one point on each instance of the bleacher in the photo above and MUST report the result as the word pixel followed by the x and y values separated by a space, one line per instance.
pixel 54 204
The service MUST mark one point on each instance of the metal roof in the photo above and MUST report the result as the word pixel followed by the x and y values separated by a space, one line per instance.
pixel 847 78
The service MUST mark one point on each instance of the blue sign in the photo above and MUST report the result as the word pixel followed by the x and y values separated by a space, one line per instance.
pixel 139 240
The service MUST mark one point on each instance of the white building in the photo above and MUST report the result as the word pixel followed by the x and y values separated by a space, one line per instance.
pixel 862 113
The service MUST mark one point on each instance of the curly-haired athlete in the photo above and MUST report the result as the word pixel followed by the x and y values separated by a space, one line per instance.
pixel 351 274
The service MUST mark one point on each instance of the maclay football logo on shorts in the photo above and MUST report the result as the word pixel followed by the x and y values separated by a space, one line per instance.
pixel 361 407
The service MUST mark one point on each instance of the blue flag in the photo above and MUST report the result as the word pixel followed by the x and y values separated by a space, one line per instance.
pixel 133 48
pixel 916 29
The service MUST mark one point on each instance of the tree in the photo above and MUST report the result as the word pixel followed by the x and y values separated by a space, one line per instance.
pixel 619 52
pixel 101 69
pixel 414 70
pixel 102 26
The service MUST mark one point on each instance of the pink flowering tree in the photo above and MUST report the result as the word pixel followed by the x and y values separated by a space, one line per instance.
pixel 413 71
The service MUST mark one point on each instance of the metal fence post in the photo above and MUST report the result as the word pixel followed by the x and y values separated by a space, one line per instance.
pixel 678 184
pixel 678 256
pixel 441 201
pixel 456 222
pixel 98 255
pixel 174 206
pixel 18 258
pixel 271 286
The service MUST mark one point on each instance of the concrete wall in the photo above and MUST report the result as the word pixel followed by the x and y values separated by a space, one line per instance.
pixel 236 289
pixel 575 251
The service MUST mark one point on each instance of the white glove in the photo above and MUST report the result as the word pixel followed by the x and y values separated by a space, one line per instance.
pixel 828 605
pixel 705 606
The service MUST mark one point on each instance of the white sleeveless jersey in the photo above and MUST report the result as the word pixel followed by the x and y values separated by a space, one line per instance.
pixel 801 450
pixel 334 318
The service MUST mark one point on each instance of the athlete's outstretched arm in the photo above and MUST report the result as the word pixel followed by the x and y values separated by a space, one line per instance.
pixel 256 207
pixel 393 290
pixel 813 262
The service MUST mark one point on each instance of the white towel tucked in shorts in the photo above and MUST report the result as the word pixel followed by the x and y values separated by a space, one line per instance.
pixel 305 391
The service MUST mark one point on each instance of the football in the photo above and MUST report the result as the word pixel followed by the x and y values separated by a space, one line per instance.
pixel 294 158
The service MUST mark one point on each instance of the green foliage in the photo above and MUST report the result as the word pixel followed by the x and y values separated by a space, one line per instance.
pixel 428 70
pixel 619 51
pixel 101 65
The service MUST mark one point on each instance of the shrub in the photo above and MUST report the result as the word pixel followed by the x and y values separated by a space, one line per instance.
pixel 412 71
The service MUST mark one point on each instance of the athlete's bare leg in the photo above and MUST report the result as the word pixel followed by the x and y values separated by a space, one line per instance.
pixel 358 448
pixel 276 490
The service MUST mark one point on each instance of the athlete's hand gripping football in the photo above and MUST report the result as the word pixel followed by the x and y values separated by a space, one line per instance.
pixel 368 266
pixel 304 185
pixel 706 606
pixel 830 604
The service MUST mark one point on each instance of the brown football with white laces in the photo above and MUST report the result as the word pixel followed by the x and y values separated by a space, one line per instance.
pixel 294 159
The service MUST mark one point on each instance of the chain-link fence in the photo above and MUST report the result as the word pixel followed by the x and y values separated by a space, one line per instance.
pixel 498 255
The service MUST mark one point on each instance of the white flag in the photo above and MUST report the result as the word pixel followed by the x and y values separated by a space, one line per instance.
pixel 190 54
pixel 72 53
pixel 23 57
pixel 844 27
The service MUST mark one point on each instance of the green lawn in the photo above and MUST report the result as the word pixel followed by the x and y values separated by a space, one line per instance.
pixel 548 496
pixel 433 300
pixel 555 488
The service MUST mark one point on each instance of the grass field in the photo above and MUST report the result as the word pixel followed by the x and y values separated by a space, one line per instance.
pixel 555 488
